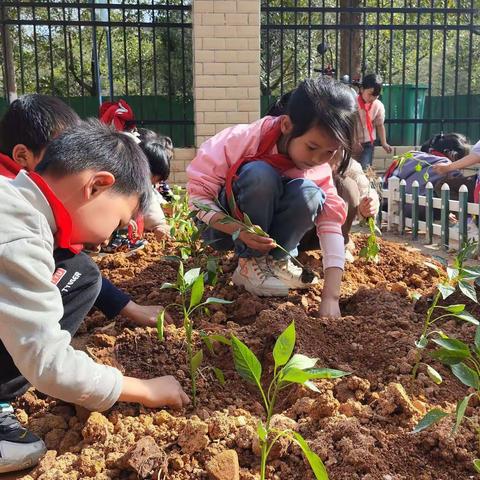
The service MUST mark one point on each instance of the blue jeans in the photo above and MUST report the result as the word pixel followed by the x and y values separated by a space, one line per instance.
pixel 366 157
pixel 285 208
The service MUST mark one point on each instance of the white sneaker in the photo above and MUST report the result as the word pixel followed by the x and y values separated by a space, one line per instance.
pixel 349 257
pixel 19 448
pixel 256 277
pixel 291 274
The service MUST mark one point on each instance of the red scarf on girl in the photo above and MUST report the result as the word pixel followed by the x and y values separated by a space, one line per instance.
pixel 269 136
pixel 367 107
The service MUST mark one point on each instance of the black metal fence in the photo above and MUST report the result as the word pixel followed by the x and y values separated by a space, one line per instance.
pixel 426 50
pixel 86 51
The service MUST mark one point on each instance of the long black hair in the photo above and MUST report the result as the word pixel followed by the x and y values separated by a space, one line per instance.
pixel 158 150
pixel 321 102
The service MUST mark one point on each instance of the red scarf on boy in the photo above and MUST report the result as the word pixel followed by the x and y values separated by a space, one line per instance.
pixel 367 107
pixel 270 134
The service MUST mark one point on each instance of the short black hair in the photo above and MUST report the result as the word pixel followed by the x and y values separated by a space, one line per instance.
pixel 158 150
pixel 92 145
pixel 373 80
pixel 454 145
pixel 34 120
pixel 328 104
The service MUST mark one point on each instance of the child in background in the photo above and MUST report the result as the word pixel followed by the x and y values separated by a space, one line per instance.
pixel 370 120
pixel 276 171
pixel 26 128
pixel 90 180
pixel 451 175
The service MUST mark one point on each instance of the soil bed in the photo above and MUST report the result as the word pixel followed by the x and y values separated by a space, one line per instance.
pixel 359 425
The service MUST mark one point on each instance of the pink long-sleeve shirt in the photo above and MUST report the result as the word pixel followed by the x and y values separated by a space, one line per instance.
pixel 208 170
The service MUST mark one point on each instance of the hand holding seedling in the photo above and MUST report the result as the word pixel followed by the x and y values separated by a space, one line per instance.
pixel 155 392
pixel 162 232
pixel 366 207
pixel 144 315
pixel 257 242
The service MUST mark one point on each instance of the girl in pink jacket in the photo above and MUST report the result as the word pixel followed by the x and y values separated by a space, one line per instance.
pixel 276 171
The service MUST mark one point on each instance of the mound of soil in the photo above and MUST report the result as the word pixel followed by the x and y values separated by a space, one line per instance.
pixel 360 425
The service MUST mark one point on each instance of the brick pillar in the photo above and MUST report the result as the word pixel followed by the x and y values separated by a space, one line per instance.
pixel 226 55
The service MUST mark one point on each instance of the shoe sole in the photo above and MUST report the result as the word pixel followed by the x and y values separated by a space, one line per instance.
pixel 29 462
pixel 241 281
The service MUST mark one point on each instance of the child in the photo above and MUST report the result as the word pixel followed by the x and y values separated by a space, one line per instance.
pixel 455 181
pixel 370 119
pixel 90 180
pixel 28 125
pixel 276 170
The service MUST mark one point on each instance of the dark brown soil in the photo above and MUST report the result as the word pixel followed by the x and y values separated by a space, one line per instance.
pixel 360 425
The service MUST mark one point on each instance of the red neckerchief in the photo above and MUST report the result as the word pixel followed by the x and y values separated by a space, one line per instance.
pixel 63 220
pixel 8 168
pixel 269 136
pixel 367 107
pixel 437 153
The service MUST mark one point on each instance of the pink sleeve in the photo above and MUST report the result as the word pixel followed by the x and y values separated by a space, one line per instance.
pixel 334 211
pixel 208 170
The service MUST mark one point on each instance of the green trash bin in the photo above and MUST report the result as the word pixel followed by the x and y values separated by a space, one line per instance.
pixel 399 101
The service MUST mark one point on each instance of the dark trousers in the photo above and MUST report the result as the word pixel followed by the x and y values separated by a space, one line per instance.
pixel 79 287
pixel 348 190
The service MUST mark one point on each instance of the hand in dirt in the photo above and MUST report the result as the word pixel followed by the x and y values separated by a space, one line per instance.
pixel 257 242
pixel 144 315
pixel 442 168
pixel 329 308
pixel 366 208
pixel 162 232
pixel 165 391
pixel 155 392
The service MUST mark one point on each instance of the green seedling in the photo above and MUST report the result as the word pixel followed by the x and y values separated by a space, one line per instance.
pixel 182 227
pixel 371 250
pixel 248 226
pixel 287 371
pixel 458 276
pixel 464 362
pixel 191 287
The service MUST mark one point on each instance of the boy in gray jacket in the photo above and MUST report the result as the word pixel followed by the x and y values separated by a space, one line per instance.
pixel 90 181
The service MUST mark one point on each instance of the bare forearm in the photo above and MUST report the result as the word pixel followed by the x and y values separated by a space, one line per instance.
pixel 134 390
pixel 332 283
pixel 465 162
pixel 382 134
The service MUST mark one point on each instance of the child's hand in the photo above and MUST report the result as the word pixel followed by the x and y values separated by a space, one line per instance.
pixel 387 147
pixel 366 208
pixel 257 242
pixel 154 393
pixel 144 315
pixel 329 307
pixel 162 232
pixel 442 168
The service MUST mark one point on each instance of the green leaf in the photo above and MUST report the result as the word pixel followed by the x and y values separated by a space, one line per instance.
pixel 467 317
pixel 197 291
pixel 434 375
pixel 466 375
pixel 326 373
pixel 246 363
pixel 283 349
pixel 220 339
pixel 476 465
pixel 468 290
pixel 433 416
pixel 453 344
pixel 208 342
pixel 452 273
pixel 160 325
pixel 196 361
pixel 458 308
pixel 181 271
pixel 168 285
pixel 422 342
pixel 460 411
pixel 445 290
pixel 311 386
pixel 236 234
pixel 433 267
pixel 261 431
pixel 316 464
pixel 477 339
pixel 191 276
pixel 470 273
pixel 449 357
pixel 247 221
pixel 295 375
pixel 217 300
pixel 301 362
pixel 219 375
